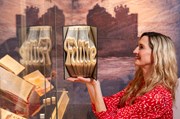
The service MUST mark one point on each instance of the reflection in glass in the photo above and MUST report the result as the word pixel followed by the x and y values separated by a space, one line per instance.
pixel 36 49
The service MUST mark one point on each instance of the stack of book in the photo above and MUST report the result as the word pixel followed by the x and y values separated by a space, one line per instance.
pixel 17 95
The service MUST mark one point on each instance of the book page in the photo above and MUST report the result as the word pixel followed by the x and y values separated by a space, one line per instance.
pixel 11 64
pixel 41 83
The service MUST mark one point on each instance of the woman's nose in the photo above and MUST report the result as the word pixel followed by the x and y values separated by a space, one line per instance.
pixel 135 50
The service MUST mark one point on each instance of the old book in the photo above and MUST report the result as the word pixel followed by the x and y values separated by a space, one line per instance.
pixel 42 84
pixel 16 94
pixel 15 85
pixel 61 106
pixel 4 114
pixel 11 64
pixel 16 105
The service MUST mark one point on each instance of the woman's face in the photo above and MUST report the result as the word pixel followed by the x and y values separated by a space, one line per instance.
pixel 143 53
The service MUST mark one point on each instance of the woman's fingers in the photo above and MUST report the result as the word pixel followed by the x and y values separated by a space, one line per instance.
pixel 84 79
pixel 72 79
pixel 79 79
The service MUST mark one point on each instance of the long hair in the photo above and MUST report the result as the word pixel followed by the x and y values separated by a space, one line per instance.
pixel 163 72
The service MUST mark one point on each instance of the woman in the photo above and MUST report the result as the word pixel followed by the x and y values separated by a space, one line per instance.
pixel 151 93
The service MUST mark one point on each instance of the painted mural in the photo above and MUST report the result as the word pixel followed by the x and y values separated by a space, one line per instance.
pixel 119 24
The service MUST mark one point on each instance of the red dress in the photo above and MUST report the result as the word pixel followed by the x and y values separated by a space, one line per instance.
pixel 157 103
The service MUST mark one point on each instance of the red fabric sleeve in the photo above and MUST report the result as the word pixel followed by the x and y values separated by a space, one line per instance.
pixel 111 102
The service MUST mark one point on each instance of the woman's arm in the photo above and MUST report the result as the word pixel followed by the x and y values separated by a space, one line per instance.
pixel 99 102
pixel 94 91
pixel 91 92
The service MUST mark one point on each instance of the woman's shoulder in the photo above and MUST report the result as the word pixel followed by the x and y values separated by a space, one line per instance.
pixel 159 95
pixel 159 92
pixel 161 89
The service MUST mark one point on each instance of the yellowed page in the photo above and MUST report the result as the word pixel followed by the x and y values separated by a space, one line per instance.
pixel 11 64
pixel 41 83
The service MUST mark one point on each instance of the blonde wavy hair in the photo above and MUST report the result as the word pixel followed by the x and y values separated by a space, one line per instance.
pixel 164 69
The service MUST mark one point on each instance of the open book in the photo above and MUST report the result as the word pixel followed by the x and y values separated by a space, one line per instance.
pixel 11 64
pixel 80 51
pixel 42 84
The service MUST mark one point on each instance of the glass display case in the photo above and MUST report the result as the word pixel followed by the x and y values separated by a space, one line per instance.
pixel 29 81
